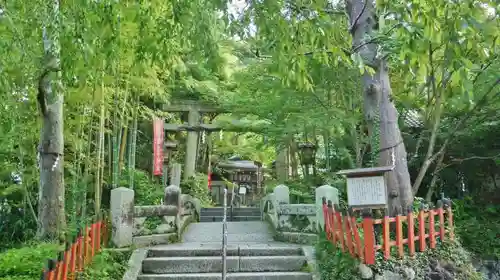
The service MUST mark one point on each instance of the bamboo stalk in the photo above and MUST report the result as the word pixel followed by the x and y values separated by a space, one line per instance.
pixel 100 154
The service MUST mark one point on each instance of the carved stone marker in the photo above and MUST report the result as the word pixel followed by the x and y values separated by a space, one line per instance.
pixel 175 174
pixel 282 194
pixel 366 187
pixel 122 216
pixel 328 192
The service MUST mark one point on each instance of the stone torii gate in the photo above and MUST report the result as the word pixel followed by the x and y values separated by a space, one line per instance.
pixel 194 126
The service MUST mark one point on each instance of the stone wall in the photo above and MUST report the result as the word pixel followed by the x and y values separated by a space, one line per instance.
pixel 296 218
pixel 152 224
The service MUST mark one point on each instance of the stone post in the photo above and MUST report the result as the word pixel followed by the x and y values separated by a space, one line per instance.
pixel 191 144
pixel 173 198
pixel 122 216
pixel 282 194
pixel 175 174
pixel 330 193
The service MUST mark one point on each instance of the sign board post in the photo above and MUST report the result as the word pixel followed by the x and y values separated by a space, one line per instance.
pixel 366 188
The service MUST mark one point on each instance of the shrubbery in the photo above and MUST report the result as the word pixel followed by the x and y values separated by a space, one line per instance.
pixel 26 262
pixel 478 226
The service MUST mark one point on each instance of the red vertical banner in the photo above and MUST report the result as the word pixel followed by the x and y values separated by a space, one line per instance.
pixel 158 135
pixel 210 181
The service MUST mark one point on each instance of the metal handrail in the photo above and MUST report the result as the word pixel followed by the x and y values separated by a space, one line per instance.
pixel 224 236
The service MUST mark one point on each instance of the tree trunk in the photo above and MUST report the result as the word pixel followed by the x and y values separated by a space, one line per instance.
pixel 294 164
pixel 282 164
pixel 432 186
pixel 133 144
pixel 377 95
pixel 51 215
pixel 100 158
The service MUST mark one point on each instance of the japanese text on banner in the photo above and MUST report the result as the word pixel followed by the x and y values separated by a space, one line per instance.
pixel 158 135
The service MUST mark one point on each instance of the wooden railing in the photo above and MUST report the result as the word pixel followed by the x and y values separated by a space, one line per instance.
pixel 78 253
pixel 362 239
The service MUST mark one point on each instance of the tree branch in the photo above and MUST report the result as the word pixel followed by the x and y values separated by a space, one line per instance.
pixel 460 160
pixel 354 23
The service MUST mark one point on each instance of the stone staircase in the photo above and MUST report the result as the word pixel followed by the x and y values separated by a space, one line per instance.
pixel 239 214
pixel 272 261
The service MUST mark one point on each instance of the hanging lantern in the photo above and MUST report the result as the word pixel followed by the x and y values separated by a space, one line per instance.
pixel 307 152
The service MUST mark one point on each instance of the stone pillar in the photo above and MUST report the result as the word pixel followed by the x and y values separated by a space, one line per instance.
pixel 122 216
pixel 175 174
pixel 330 193
pixel 173 198
pixel 191 145
pixel 282 194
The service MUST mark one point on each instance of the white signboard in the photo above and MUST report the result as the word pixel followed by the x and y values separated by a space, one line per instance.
pixel 242 190
pixel 366 191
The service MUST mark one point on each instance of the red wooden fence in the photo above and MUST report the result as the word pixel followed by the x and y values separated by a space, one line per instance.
pixel 78 253
pixel 359 238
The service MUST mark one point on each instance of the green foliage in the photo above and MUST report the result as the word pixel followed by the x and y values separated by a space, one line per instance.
pixel 447 253
pixel 147 192
pixel 332 263
pixel 28 261
pixel 478 227
pixel 197 187
pixel 152 223
pixel 107 265
pixel 17 225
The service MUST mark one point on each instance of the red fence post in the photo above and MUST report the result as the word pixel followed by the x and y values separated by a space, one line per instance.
pixel 331 223
pixel 326 218
pixel 411 231
pixel 67 254
pixel 348 234
pixel 357 240
pixel 59 265
pixel 79 246
pixel 450 222
pixel 93 238
pixel 51 270
pixel 432 228
pixel 98 232
pixel 72 262
pixel 441 221
pixel 399 235
pixel 85 241
pixel 421 230
pixel 339 227
pixel 386 242
pixel 369 238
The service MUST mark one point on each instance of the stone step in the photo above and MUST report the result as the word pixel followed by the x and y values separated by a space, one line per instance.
pixel 232 250
pixel 241 232
pixel 231 276
pixel 239 211
pixel 205 219
pixel 214 264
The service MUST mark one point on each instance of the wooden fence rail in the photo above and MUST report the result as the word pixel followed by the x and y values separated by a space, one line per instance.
pixel 78 253
pixel 362 239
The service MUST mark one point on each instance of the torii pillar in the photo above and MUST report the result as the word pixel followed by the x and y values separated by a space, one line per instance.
pixel 191 144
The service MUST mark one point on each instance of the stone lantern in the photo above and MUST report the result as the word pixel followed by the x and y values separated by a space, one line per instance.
pixel 307 152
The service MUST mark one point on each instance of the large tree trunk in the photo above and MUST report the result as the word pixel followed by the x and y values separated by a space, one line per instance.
pixel 377 97
pixel 51 216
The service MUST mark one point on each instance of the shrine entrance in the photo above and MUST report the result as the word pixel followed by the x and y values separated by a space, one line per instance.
pixel 246 177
